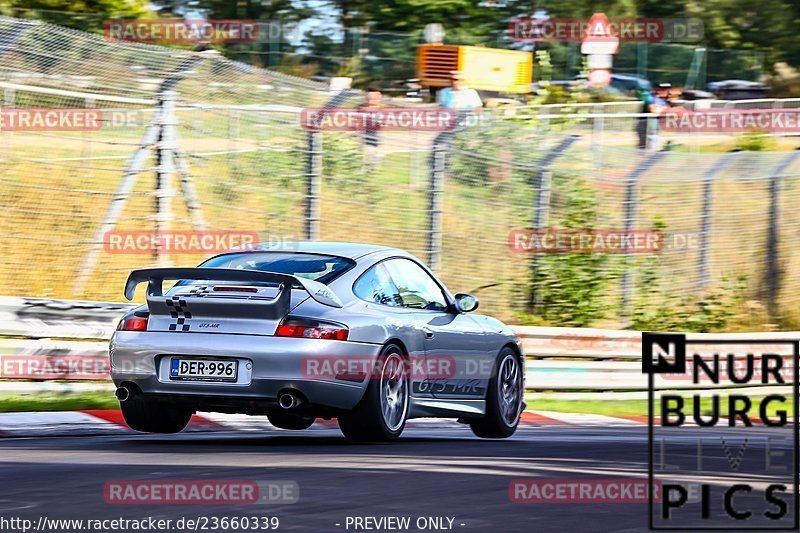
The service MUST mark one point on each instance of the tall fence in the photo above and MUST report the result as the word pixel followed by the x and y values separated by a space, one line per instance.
pixel 191 140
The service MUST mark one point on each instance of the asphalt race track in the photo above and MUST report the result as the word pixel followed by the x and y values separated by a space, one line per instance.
pixel 429 473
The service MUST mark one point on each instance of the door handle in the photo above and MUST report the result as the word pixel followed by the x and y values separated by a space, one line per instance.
pixel 428 333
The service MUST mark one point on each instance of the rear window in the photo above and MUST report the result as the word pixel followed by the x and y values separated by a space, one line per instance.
pixel 316 267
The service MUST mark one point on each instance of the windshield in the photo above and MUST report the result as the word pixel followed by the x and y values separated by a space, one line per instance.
pixel 322 268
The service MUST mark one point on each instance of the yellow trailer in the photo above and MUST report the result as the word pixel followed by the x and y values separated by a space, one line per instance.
pixel 485 69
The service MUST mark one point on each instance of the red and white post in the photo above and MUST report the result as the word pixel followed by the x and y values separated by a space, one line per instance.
pixel 600 44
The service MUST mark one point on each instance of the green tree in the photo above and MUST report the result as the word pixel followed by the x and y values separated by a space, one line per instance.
pixel 88 15
pixel 284 11
pixel 412 15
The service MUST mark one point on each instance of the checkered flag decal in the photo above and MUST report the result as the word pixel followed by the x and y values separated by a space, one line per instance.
pixel 198 292
pixel 179 312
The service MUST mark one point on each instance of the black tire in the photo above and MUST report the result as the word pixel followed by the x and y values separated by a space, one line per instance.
pixel 285 421
pixel 366 421
pixel 151 416
pixel 494 425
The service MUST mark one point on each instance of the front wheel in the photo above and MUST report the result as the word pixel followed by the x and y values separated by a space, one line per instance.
pixel 381 414
pixel 151 416
pixel 503 398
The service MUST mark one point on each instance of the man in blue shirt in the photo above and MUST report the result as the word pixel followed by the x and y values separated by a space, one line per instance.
pixel 459 97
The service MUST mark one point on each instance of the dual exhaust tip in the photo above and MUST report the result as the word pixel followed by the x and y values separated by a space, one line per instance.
pixel 123 393
pixel 288 400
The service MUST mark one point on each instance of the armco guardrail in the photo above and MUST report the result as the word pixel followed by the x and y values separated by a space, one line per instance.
pixel 40 318
pixel 558 359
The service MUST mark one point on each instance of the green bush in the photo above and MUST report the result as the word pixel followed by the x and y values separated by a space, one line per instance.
pixel 573 287
pixel 656 308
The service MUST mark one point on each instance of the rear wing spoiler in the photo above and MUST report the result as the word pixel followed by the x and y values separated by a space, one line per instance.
pixel 155 278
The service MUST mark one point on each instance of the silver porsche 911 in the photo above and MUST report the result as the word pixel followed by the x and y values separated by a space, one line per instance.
pixel 365 334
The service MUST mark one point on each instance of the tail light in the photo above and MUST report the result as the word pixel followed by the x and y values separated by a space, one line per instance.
pixel 308 328
pixel 235 289
pixel 135 321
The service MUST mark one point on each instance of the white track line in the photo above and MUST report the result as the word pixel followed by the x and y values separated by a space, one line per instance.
pixel 580 419
pixel 54 423
pixel 238 422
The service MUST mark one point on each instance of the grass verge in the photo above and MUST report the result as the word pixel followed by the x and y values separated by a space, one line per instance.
pixel 50 401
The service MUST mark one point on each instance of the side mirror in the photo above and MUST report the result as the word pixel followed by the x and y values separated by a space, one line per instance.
pixel 466 302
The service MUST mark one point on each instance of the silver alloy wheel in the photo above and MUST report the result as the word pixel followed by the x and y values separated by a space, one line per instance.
pixel 394 391
pixel 509 389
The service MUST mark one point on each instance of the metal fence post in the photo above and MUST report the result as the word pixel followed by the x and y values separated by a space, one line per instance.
pixel 8 101
pixel 703 267
pixel 598 125
pixel 631 203
pixel 541 217
pixel 542 184
pixel 86 145
pixel 438 165
pixel 313 184
pixel 314 168
pixel 234 129
pixel 165 157
pixel 773 274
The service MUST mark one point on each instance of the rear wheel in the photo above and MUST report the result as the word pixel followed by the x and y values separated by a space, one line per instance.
pixel 152 416
pixel 284 421
pixel 503 398
pixel 381 414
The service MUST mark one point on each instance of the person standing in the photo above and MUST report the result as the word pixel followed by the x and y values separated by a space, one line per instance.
pixel 458 96
pixel 653 103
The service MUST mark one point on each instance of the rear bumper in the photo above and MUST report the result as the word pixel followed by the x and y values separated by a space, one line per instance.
pixel 267 366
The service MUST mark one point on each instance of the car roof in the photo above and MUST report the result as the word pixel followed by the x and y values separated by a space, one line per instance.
pixel 349 250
